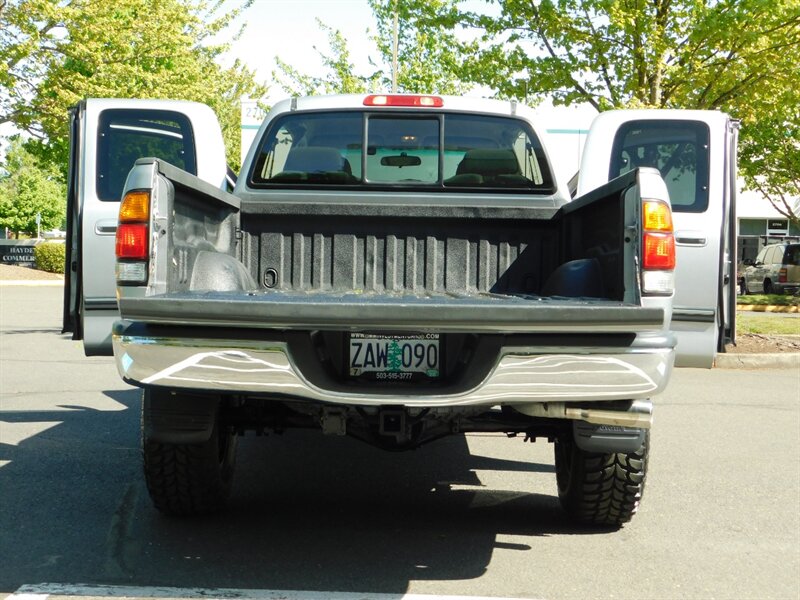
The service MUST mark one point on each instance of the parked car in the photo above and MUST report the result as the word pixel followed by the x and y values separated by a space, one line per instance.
pixel 776 270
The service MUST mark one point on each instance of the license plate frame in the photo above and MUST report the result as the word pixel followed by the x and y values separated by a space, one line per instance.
pixel 394 358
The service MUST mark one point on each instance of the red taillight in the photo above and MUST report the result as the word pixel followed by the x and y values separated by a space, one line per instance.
pixel 403 100
pixel 783 275
pixel 132 241
pixel 659 251
pixel 658 243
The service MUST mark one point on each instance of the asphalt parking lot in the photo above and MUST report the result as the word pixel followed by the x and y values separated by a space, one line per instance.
pixel 473 516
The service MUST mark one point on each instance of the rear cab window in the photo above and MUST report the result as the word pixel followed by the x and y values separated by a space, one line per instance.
pixel 125 135
pixel 434 151
pixel 678 149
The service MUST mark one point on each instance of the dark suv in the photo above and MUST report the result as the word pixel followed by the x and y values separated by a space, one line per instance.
pixel 776 270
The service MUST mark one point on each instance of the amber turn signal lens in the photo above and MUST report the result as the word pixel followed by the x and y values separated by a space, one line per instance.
pixel 135 207
pixel 657 216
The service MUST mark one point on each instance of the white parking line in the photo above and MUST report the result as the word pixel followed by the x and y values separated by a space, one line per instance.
pixel 44 591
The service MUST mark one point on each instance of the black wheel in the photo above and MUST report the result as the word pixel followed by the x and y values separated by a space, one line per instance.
pixel 743 287
pixel 600 489
pixel 768 288
pixel 189 479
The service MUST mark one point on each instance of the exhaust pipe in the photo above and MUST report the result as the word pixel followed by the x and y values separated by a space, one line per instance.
pixel 639 414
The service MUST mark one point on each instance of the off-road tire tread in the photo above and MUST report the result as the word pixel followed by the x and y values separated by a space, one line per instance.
pixel 186 479
pixel 605 489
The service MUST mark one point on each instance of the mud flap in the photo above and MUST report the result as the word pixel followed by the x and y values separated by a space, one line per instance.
pixel 607 439
pixel 178 418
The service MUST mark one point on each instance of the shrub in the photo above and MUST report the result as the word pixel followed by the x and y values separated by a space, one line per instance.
pixel 50 257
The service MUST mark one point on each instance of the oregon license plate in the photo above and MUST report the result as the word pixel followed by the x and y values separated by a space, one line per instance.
pixel 394 357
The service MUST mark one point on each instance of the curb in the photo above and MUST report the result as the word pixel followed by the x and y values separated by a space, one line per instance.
pixel 770 360
pixel 767 308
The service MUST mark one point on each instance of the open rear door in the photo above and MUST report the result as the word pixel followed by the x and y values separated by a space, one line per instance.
pixel 728 258
pixel 695 153
pixel 72 319
pixel 106 138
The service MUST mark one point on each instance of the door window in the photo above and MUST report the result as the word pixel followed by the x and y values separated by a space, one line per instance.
pixel 769 257
pixel 678 149
pixel 125 135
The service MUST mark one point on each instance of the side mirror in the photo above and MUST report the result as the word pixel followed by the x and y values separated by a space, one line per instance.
pixel 748 262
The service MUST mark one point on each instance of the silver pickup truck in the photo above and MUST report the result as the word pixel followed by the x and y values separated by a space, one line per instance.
pixel 396 268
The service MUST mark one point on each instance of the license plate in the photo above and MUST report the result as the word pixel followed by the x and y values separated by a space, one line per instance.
pixel 394 357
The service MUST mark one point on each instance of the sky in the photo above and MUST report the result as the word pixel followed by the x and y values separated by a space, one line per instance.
pixel 288 29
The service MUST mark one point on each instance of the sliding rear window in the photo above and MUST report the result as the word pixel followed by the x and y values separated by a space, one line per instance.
pixel 401 150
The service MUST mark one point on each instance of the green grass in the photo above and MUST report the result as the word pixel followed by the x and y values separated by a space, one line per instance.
pixel 767 324
pixel 765 299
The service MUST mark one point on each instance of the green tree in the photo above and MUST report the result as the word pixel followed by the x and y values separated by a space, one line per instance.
pixel 769 153
pixel 428 60
pixel 339 76
pixel 429 55
pixel 740 56
pixel 55 52
pixel 28 188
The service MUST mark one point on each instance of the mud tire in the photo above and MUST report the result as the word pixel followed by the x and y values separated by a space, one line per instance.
pixel 190 479
pixel 600 489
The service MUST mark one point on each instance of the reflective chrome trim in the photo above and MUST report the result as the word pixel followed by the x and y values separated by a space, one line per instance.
pixel 699 315
pixel 106 227
pixel 101 304
pixel 522 375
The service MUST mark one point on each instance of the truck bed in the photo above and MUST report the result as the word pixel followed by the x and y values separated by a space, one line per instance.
pixel 394 261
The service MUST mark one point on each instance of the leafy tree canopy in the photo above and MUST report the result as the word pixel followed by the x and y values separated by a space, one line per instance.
pixel 740 56
pixel 427 59
pixel 28 187
pixel 56 52
pixel 339 76
pixel 429 55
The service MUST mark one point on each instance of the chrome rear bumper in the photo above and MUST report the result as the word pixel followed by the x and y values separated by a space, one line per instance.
pixel 521 375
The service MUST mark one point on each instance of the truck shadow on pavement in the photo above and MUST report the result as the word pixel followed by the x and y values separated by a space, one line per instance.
pixel 308 512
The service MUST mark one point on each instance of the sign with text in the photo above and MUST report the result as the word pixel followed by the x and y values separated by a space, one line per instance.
pixel 17 252
pixel 777 226
pixel 252 116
